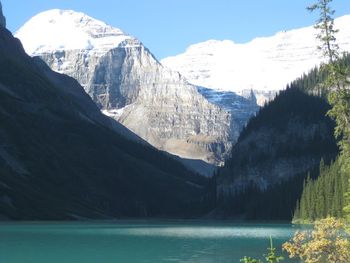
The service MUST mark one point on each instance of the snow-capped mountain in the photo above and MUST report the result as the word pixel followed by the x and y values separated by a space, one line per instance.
pixel 130 85
pixel 264 64
pixel 61 159
pixel 73 43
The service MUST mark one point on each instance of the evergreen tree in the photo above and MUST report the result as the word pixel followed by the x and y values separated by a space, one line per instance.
pixel 336 82
pixel 278 201
pixel 337 85
pixel 325 26
pixel 346 171
pixel 323 196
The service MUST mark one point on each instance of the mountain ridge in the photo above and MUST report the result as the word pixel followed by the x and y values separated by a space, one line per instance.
pixel 130 85
pixel 262 64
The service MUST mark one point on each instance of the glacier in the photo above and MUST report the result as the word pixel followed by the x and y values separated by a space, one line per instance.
pixel 265 64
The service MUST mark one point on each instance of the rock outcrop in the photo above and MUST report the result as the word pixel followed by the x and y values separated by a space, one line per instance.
pixel 130 85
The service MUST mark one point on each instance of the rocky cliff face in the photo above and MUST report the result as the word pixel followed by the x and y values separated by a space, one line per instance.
pixel 2 18
pixel 241 107
pixel 130 85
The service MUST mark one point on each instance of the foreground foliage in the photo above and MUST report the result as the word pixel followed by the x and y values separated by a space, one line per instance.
pixel 271 256
pixel 326 243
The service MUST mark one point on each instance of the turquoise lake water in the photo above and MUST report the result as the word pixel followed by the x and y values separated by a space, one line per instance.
pixel 136 242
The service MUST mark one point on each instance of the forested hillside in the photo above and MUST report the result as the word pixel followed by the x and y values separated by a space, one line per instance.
pixel 283 143
pixel 326 195
pixel 323 196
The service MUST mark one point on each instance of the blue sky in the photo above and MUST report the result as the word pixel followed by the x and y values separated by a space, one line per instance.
pixel 168 27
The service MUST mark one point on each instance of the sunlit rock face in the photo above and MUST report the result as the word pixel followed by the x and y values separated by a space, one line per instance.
pixel 130 85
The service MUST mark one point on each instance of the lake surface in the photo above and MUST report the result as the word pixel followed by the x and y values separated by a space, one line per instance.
pixel 137 242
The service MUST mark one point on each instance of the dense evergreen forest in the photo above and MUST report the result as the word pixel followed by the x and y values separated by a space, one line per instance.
pixel 312 82
pixel 278 201
pixel 310 195
pixel 324 196
pixel 325 200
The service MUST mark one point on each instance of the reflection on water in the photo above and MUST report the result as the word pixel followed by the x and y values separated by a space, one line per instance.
pixel 210 232
pixel 134 242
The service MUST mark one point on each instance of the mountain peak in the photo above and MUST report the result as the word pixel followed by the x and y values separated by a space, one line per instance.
pixel 68 30
pixel 263 64
pixel 130 85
